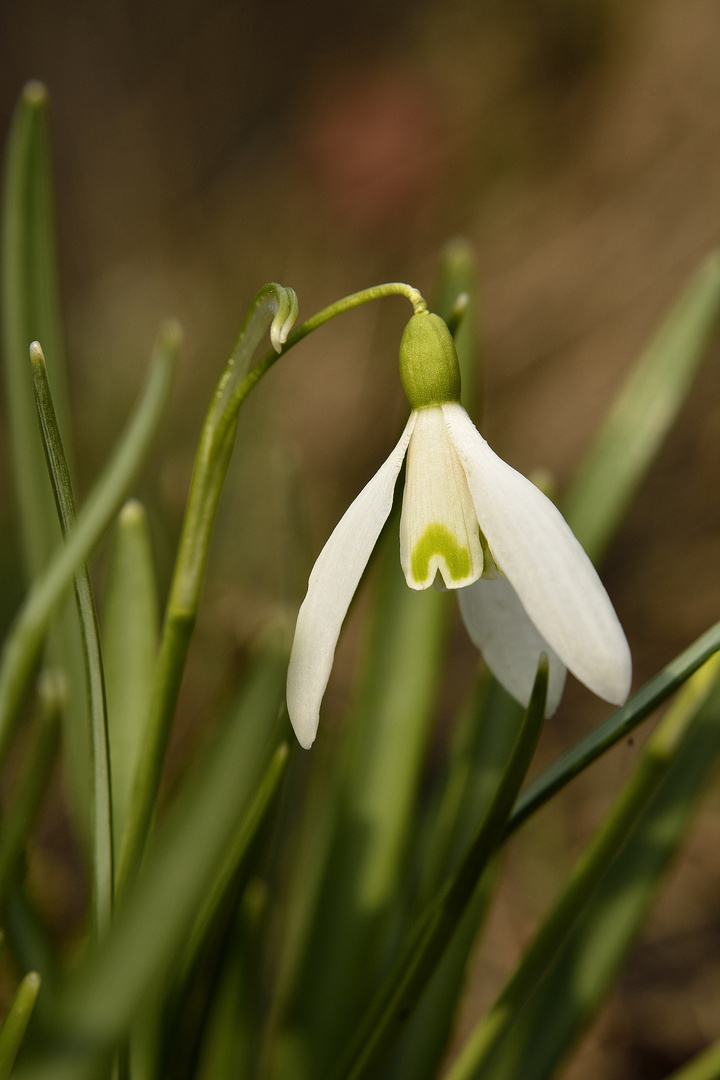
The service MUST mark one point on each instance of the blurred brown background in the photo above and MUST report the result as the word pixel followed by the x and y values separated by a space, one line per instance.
pixel 203 149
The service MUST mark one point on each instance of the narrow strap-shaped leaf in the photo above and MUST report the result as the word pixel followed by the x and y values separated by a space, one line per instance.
pixel 26 635
pixel 401 990
pixel 101 799
pixel 484 739
pixel 706 1066
pixel 476 762
pixel 32 782
pixel 272 304
pixel 567 998
pixel 130 638
pixel 16 1021
pixel 232 1027
pixel 363 888
pixel 643 413
pixel 619 724
pixel 660 752
pixel 258 746
pixel 456 279
pixel 154 919
pixel 28 939
pixel 30 311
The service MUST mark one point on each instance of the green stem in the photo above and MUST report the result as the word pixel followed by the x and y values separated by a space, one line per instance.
pixel 211 463
pixel 101 802
pixel 347 303
pixel 617 825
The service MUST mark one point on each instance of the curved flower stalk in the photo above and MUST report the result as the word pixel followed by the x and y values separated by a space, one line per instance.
pixel 525 584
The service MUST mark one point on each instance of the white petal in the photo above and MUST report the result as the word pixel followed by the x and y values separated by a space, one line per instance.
pixel 499 626
pixel 332 584
pixel 536 550
pixel 438 526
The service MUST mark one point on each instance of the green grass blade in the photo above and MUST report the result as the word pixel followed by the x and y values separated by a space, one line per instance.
pixel 477 755
pixel 272 303
pixel 558 980
pixel 32 783
pixel 30 312
pixel 28 939
pixel 645 409
pixel 348 944
pixel 427 942
pixel 130 627
pixel 257 742
pixel 101 806
pixel 152 924
pixel 483 743
pixel 457 277
pixel 568 998
pixel 27 634
pixel 619 724
pixel 227 1052
pixel 705 1066
pixel 16 1021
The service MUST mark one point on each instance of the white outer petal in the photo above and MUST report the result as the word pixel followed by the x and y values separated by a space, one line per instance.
pixel 536 550
pixel 333 581
pixel 510 644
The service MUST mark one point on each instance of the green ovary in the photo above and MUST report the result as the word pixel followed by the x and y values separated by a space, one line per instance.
pixel 438 540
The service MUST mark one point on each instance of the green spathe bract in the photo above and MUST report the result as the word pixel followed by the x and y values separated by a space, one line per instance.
pixel 429 367
pixel 438 540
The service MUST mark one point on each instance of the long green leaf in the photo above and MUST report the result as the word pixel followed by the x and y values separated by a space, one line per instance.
pixel 16 1021
pixel 129 621
pixel 632 434
pixel 457 277
pixel 151 926
pixel 101 807
pixel 26 636
pixel 364 882
pixel 257 741
pixel 618 725
pixel 484 739
pixel 596 901
pixel 474 772
pixel 706 1066
pixel 428 941
pixel 32 783
pixel 30 311
pixel 272 303
pixel 545 1029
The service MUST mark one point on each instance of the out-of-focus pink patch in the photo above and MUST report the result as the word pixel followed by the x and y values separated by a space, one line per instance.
pixel 374 145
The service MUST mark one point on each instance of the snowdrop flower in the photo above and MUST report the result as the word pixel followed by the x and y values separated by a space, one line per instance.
pixel 525 584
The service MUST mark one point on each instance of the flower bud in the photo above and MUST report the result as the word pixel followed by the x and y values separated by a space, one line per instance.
pixel 429 367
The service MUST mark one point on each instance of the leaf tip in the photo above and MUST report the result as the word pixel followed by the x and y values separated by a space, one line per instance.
pixel 171 334
pixel 35 94
pixel 37 357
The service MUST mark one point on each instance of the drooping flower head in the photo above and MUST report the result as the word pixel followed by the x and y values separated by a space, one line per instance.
pixel 525 584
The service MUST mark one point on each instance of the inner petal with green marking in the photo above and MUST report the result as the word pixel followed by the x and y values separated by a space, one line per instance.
pixel 438 529
pixel 438 543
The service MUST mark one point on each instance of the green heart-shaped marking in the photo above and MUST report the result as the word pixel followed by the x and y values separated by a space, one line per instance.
pixel 438 540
